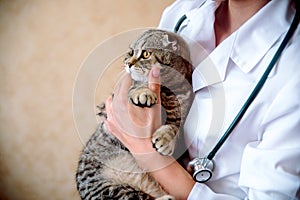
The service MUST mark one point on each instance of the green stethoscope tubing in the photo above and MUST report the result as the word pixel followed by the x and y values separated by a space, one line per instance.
pixel 260 83
pixel 258 87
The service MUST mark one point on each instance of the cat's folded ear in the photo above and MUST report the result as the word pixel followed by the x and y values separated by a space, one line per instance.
pixel 163 57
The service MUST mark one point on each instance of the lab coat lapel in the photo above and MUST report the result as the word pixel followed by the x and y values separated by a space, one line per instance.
pixel 213 68
pixel 264 33
pixel 264 29
pixel 206 74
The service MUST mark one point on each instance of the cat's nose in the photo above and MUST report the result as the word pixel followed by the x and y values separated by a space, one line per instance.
pixel 129 64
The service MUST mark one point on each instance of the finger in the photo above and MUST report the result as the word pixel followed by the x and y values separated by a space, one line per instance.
pixel 110 122
pixel 108 107
pixel 126 81
pixel 154 81
pixel 123 85
pixel 154 85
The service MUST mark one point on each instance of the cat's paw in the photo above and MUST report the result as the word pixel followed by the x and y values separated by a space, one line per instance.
pixel 164 139
pixel 165 197
pixel 143 97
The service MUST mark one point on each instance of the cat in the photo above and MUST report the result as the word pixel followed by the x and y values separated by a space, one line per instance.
pixel 106 169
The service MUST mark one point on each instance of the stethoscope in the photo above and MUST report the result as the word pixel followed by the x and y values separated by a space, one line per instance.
pixel 203 167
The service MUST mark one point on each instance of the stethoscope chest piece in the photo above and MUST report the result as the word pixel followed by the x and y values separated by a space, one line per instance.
pixel 202 169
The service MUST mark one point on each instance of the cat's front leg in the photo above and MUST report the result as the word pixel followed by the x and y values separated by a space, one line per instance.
pixel 142 96
pixel 164 139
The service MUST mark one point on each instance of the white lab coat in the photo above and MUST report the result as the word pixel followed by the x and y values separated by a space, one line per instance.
pixel 261 158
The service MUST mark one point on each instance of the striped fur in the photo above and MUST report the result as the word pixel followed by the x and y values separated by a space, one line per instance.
pixel 168 51
pixel 106 169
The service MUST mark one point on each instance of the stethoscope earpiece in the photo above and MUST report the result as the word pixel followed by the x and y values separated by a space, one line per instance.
pixel 202 169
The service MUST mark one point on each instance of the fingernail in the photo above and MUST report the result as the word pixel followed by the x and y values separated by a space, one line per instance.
pixel 156 72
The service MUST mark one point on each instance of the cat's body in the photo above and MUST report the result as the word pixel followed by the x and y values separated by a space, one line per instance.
pixel 106 168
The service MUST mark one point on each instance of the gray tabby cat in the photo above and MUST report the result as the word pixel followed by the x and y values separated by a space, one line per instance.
pixel 106 169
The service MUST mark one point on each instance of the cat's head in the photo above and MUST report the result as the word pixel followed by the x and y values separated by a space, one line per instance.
pixel 154 47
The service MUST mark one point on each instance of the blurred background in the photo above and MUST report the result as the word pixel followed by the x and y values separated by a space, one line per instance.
pixel 42 47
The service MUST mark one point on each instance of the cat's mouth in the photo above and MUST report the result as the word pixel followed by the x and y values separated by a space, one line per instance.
pixel 135 75
pixel 131 69
pixel 127 69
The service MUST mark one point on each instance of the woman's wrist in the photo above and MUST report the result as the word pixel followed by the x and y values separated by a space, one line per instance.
pixel 139 146
pixel 167 172
pixel 152 160
pixel 135 144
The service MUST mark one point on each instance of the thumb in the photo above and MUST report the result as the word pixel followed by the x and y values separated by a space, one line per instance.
pixel 154 81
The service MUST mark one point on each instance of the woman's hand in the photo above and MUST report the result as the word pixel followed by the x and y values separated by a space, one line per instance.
pixel 134 126
pixel 131 124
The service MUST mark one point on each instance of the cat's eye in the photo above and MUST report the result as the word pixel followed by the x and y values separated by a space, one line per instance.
pixel 130 52
pixel 146 54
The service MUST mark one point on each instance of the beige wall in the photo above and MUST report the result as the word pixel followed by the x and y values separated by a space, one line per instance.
pixel 42 46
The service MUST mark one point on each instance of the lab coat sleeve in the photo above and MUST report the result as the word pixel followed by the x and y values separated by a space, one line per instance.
pixel 271 167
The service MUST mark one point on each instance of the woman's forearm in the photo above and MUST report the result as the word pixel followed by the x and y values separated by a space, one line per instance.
pixel 175 180
pixel 164 169
pixel 168 173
